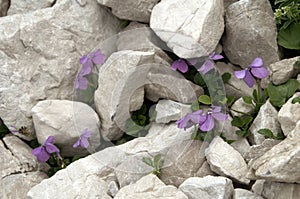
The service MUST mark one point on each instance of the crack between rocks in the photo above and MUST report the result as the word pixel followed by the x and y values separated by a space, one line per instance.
pixel 53 4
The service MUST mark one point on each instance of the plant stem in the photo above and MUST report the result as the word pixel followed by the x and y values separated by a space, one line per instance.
pixel 239 112
pixel 258 92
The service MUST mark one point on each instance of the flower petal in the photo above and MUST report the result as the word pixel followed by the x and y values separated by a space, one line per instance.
pixel 41 154
pixel 184 122
pixel 248 79
pixel 84 143
pixel 98 57
pixel 51 148
pixel 240 74
pixel 257 62
pixel 208 124
pixel 220 116
pixel 217 57
pixel 50 139
pixel 86 133
pixel 86 68
pixel 84 59
pixel 81 83
pixel 260 72
pixel 183 67
pixel 206 67
pixel 76 144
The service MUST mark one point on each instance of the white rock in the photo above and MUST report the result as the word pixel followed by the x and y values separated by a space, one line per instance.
pixel 209 187
pixel 258 187
pixel 66 120
pixel 25 6
pixel 227 130
pixel 267 118
pixel 250 32
pixel 226 161
pixel 150 187
pixel 240 105
pixel 4 5
pixel 113 188
pixel 55 38
pixel 229 2
pixel 17 185
pixel 273 190
pixel 289 115
pixel 256 151
pixel 235 87
pixel 279 164
pixel 121 91
pixel 241 145
pixel 190 28
pixel 245 194
pixel 282 71
pixel 168 110
pixel 133 10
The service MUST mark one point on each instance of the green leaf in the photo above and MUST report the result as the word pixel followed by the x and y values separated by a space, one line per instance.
pixel 226 77
pixel 230 100
pixel 255 95
pixel 247 121
pixel 148 161
pixel 297 64
pixel 266 132
pixel 199 80
pixel 280 136
pixel 237 121
pixel 247 99
pixel 156 160
pixel 204 99
pixel 296 100
pixel 290 37
pixel 142 120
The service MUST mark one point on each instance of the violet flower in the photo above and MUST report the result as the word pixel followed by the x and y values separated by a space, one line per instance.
pixel 189 120
pixel 83 139
pixel 207 121
pixel 183 65
pixel 81 82
pixel 90 59
pixel 256 69
pixel 44 152
pixel 209 64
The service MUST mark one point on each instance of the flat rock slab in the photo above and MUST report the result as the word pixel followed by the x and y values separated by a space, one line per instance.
pixel 40 53
pixel 190 28
pixel 250 32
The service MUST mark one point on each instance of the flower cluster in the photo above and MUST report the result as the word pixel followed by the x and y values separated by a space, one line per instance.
pixel 88 61
pixel 205 121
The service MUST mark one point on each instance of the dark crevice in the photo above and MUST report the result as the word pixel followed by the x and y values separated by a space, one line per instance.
pixel 54 2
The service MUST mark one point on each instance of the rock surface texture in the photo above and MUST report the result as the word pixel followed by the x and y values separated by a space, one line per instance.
pixel 25 6
pixel 4 4
pixel 250 33
pixel 190 28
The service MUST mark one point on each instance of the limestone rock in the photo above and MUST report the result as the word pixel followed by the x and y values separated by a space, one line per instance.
pixel 195 27
pixel 133 10
pixel 168 110
pixel 279 164
pixel 245 194
pixel 209 187
pixel 282 71
pixel 289 115
pixel 119 84
pixel 235 87
pixel 273 190
pixel 25 6
pixel 241 145
pixel 227 130
pixel 4 5
pixel 256 151
pixel 41 49
pixel 228 2
pixel 17 185
pixel 66 120
pixel 150 187
pixel 113 188
pixel 250 32
pixel 267 117
pixel 226 161
pixel 240 105
pixel 16 157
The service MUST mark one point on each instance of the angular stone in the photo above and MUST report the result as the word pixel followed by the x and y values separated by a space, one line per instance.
pixel 150 187
pixel 4 5
pixel 25 6
pixel 258 187
pixel 113 188
pixel 119 83
pixel 279 164
pixel 16 157
pixel 227 130
pixel 282 71
pixel 256 151
pixel 55 40
pixel 168 110
pixel 241 145
pixel 250 32
pixel 240 105
pixel 205 170
pixel 66 126
pixel 209 187
pixel 181 34
pixel 132 10
pixel 289 115
pixel 235 87
pixel 226 161
pixel 17 185
pixel 245 194
pixel 273 190
pixel 267 118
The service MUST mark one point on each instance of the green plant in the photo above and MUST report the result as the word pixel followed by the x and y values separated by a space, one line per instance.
pixel 157 163
pixel 269 134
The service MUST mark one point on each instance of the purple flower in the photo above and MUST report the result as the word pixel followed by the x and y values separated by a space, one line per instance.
pixel 89 60
pixel 183 65
pixel 207 121
pixel 209 64
pixel 81 82
pixel 255 69
pixel 189 120
pixel 83 139
pixel 44 152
